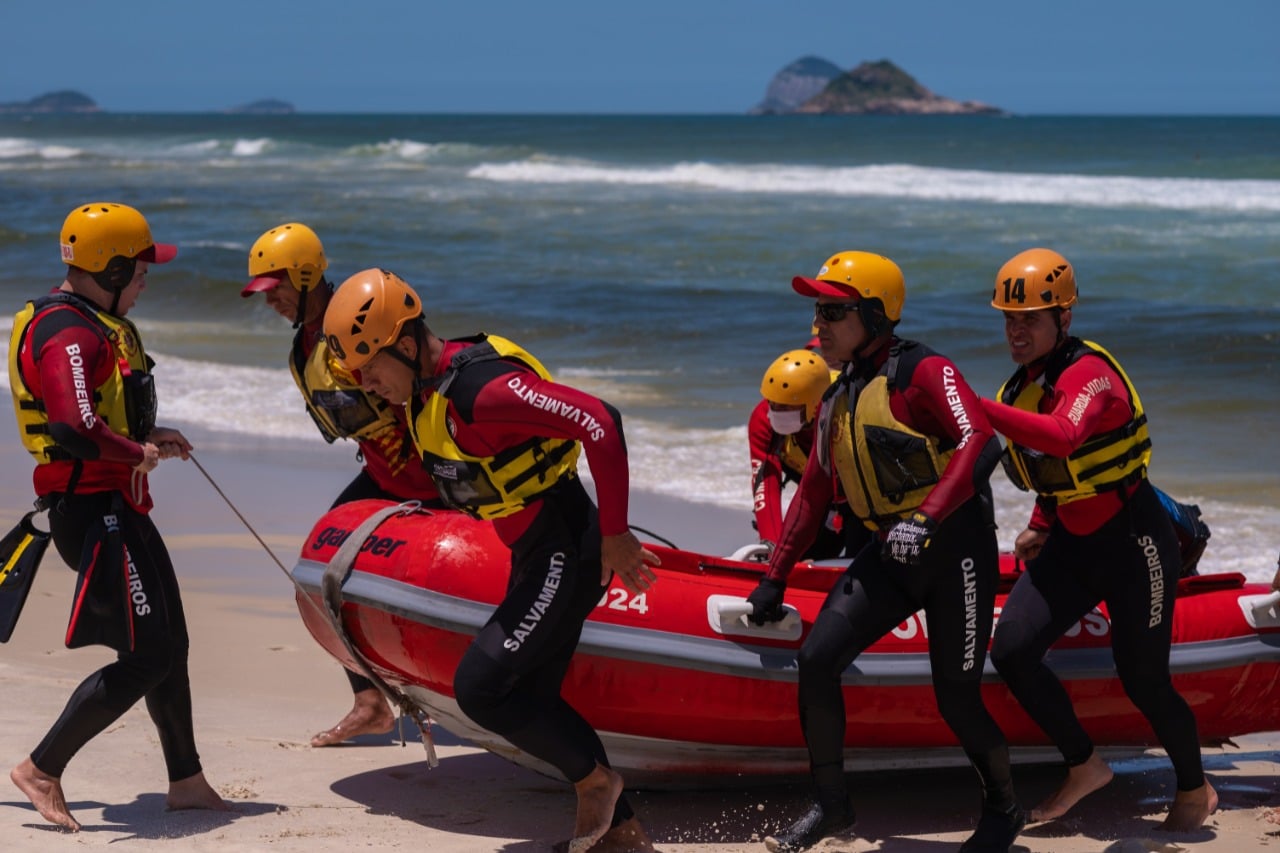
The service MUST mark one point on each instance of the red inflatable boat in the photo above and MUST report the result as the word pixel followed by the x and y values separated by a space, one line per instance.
pixel 682 688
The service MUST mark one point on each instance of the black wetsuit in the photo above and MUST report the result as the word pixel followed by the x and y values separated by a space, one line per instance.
pixel 1132 563
pixel 156 668
pixel 955 585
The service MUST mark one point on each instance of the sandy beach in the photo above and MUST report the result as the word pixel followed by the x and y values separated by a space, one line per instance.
pixel 262 687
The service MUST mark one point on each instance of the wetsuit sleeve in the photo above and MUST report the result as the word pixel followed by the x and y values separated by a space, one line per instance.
pixel 518 405
pixel 1043 514
pixel 939 402
pixel 73 358
pixel 1089 398
pixel 766 475
pixel 805 515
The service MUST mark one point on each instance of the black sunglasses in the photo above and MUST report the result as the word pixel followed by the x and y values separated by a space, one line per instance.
pixel 833 312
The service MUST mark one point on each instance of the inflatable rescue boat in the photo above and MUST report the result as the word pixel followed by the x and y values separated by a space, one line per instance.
pixel 683 689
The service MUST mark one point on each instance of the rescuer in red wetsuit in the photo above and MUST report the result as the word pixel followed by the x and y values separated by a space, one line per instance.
pixel 287 264
pixel 1078 437
pixel 904 436
pixel 501 441
pixel 780 438
pixel 86 407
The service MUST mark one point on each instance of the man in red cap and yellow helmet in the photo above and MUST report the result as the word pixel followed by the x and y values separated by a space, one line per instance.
pixel 501 439
pixel 287 264
pixel 1078 438
pixel 906 440
pixel 86 407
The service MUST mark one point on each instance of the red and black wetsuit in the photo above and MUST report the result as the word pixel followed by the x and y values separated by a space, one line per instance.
pixel 510 677
pixel 1099 548
pixel 62 347
pixel 955 583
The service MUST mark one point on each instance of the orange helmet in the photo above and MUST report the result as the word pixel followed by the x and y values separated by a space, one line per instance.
pixel 366 314
pixel 796 378
pixel 1035 279
pixel 290 251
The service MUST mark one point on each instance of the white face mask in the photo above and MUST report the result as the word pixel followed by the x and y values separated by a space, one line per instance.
pixel 786 423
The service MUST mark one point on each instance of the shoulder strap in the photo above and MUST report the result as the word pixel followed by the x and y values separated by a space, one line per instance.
pixel 1071 351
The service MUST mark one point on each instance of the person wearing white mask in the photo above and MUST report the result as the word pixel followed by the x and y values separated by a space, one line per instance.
pixel 780 436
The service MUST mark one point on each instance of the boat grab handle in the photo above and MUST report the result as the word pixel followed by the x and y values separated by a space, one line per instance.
pixel 1261 611
pixel 728 614
pixel 756 552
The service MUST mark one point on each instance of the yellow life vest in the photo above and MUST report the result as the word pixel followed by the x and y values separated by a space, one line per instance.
pixel 886 468
pixel 792 457
pixel 1112 460
pixel 125 401
pixel 486 486
pixel 335 401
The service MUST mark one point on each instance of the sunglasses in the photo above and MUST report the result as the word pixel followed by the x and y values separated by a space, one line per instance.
pixel 834 312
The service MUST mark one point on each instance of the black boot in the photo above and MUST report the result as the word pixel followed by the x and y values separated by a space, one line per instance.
pixel 996 831
pixel 816 825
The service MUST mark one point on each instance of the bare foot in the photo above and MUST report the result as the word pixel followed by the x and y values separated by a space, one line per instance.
pixel 597 795
pixel 369 715
pixel 1191 809
pixel 45 793
pixel 194 792
pixel 626 837
pixel 1082 780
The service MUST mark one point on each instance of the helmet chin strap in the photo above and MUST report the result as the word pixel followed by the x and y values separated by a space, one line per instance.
pixel 1058 341
pixel 301 316
pixel 420 383
pixel 115 277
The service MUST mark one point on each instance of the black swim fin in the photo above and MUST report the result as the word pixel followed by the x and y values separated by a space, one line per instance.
pixel 20 554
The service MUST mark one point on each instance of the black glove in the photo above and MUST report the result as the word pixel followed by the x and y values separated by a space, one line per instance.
pixel 908 539
pixel 766 601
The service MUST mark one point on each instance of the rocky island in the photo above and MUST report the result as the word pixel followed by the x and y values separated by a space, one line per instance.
pixel 267 106
pixel 66 101
pixel 813 86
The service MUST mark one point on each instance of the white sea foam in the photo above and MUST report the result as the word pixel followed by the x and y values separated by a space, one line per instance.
pixel 204 146
pixel 250 147
pixel 412 149
pixel 13 148
pixel 907 181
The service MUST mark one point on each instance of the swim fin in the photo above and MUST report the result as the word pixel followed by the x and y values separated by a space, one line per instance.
pixel 20 554
pixel 101 613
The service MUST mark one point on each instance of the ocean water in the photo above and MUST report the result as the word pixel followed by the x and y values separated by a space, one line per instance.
pixel 648 259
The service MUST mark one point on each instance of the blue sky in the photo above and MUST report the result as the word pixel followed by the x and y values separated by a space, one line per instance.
pixel 654 56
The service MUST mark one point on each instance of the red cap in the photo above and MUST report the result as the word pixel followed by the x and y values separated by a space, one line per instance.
pixel 818 287
pixel 814 343
pixel 158 253
pixel 263 283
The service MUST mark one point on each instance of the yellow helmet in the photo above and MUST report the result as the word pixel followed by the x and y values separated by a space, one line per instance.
pixel 291 250
pixel 366 314
pixel 1035 279
pixel 93 235
pixel 796 378
pixel 865 275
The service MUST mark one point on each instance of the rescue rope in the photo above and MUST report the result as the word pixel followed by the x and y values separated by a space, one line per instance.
pixel 342 563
